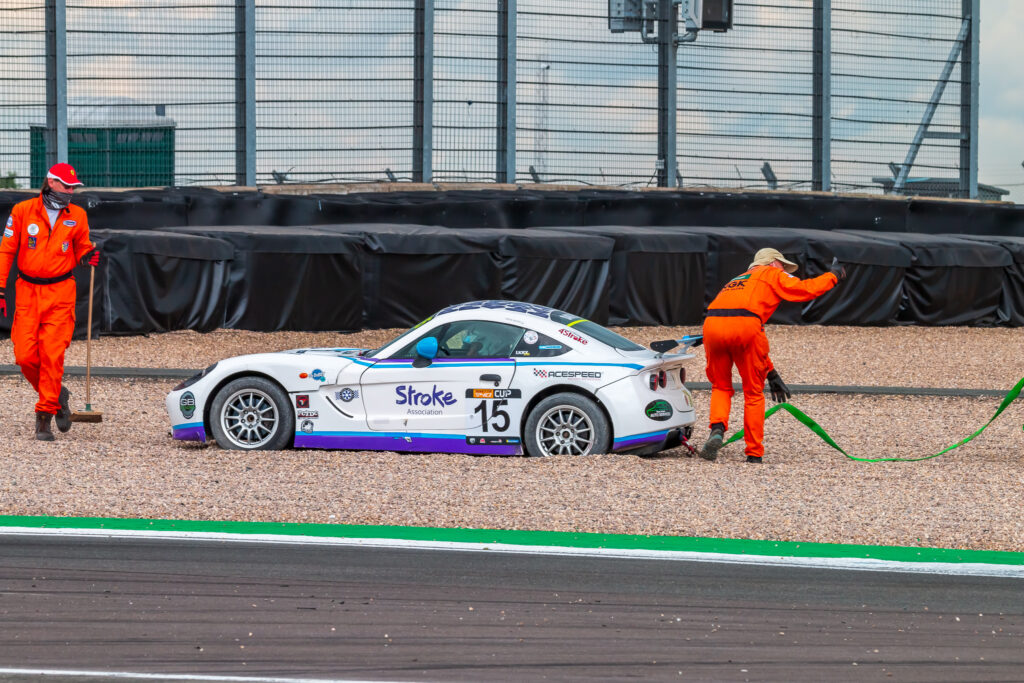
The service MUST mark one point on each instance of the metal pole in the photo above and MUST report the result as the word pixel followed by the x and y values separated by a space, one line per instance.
pixel 423 93
pixel 821 170
pixel 933 104
pixel 969 86
pixel 506 124
pixel 667 51
pixel 56 82
pixel 245 92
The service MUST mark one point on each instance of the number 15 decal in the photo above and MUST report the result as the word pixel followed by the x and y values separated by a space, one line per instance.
pixel 498 419
pixel 492 409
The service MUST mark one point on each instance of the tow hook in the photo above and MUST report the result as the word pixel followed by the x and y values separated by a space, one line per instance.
pixel 690 450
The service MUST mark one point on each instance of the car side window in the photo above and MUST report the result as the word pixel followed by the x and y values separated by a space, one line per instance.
pixel 537 345
pixel 470 339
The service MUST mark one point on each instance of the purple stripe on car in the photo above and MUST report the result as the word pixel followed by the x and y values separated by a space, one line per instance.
pixel 373 442
pixel 192 433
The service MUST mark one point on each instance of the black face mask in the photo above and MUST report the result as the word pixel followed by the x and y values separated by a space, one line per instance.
pixel 54 200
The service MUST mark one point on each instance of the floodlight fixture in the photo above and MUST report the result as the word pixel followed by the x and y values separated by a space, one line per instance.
pixel 769 176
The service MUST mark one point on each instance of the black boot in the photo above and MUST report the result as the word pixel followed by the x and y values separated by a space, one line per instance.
pixel 714 442
pixel 64 414
pixel 43 432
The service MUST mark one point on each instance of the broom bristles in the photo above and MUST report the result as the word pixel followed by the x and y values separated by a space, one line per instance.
pixel 87 416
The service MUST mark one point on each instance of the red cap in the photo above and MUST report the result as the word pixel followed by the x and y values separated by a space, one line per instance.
pixel 64 173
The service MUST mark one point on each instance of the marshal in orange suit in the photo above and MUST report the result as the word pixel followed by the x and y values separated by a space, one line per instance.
pixel 734 335
pixel 47 236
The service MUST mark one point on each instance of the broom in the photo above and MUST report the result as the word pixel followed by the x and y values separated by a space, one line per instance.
pixel 88 415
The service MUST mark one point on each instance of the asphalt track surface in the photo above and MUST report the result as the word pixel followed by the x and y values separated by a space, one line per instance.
pixel 246 609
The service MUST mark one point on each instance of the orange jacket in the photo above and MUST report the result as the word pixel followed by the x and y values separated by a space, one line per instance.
pixel 40 249
pixel 761 289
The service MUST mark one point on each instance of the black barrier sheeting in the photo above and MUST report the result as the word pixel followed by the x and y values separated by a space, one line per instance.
pixel 657 276
pixel 951 281
pixel 1011 301
pixel 157 281
pixel 872 291
pixel 290 279
pixel 565 271
pixel 412 271
pixel 492 208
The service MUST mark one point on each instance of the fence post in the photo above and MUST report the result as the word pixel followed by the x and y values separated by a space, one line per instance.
pixel 245 92
pixel 423 93
pixel 56 82
pixel 667 105
pixel 821 167
pixel 506 83
pixel 969 81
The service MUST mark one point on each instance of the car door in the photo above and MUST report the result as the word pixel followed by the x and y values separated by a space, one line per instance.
pixel 438 397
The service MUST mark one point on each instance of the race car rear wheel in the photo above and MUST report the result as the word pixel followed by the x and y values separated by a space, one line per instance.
pixel 566 424
pixel 252 414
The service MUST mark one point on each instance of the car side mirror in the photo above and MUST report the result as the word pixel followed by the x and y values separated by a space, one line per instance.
pixel 426 352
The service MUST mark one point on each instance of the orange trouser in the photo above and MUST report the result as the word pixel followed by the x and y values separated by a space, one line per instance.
pixel 44 320
pixel 739 341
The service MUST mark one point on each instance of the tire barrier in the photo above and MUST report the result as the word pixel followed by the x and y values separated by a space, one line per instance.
pixel 202 259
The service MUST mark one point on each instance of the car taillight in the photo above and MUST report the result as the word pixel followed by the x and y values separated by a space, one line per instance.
pixel 654 382
pixel 662 379
pixel 682 375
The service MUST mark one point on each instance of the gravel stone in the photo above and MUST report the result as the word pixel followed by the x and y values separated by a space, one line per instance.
pixel 128 466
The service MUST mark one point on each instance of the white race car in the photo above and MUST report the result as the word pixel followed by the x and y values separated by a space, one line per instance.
pixel 486 377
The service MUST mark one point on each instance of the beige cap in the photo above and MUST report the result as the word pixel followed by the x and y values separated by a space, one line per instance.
pixel 767 256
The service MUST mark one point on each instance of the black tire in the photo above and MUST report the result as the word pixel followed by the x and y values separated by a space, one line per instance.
pixel 566 424
pixel 252 414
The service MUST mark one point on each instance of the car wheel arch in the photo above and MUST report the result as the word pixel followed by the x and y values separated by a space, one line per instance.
pixel 207 425
pixel 564 389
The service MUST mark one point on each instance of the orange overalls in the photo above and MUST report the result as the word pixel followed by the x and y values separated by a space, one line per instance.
pixel 734 334
pixel 44 317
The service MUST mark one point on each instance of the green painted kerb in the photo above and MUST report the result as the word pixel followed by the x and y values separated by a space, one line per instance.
pixel 534 538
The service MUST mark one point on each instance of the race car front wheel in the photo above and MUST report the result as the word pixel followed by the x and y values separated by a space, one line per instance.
pixel 566 424
pixel 252 414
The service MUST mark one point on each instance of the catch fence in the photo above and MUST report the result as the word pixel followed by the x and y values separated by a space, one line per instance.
pixel 848 95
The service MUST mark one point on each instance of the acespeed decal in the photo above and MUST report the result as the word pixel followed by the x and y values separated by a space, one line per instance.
pixel 829 555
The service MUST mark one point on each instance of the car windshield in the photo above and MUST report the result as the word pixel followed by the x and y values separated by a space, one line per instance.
pixel 372 353
pixel 592 329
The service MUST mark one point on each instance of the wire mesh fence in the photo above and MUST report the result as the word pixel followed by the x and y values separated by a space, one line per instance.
pixel 745 99
pixel 887 60
pixel 154 93
pixel 23 89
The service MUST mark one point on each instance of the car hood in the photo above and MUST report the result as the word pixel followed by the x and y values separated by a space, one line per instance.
pixel 334 353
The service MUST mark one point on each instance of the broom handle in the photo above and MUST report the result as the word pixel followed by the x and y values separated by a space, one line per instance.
pixel 88 341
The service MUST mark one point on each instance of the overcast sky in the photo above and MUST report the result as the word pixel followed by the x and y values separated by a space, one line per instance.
pixel 1002 96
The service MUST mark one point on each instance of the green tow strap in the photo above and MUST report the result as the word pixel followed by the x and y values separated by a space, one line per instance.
pixel 816 428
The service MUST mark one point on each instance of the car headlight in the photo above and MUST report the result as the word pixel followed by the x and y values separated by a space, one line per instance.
pixel 195 378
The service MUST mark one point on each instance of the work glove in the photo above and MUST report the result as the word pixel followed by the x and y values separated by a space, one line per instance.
pixel 3 304
pixel 780 392
pixel 837 269
pixel 91 258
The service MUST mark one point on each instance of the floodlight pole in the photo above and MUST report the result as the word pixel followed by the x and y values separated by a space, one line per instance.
pixel 56 82
pixel 668 11
pixel 969 85
pixel 821 153
pixel 245 92
pixel 423 93
pixel 506 82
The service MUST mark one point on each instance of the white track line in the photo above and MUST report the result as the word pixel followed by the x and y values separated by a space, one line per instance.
pixel 139 676
pixel 846 563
